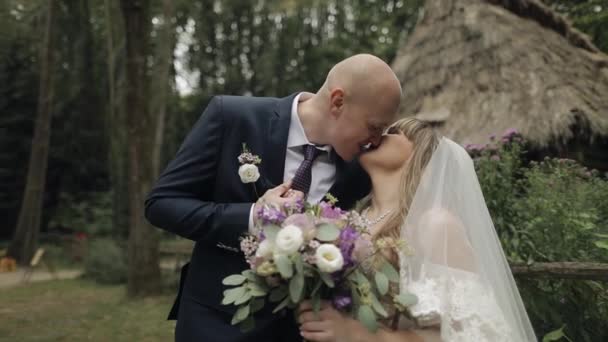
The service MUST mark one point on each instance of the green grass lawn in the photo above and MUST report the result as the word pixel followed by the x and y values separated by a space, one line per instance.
pixel 80 310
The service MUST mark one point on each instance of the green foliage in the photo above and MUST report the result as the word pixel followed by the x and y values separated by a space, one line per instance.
pixel 589 16
pixel 90 214
pixel 106 262
pixel 553 210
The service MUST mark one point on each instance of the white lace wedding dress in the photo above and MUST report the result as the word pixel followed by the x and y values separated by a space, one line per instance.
pixel 456 267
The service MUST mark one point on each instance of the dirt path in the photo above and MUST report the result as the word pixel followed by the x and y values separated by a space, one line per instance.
pixel 15 278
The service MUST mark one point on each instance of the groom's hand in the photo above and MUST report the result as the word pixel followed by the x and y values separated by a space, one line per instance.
pixel 279 196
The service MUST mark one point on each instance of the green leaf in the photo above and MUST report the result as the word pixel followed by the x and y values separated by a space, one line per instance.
pixel 554 335
pixel 316 303
pixel 284 265
pixel 230 296
pixel 244 298
pixel 327 232
pixel 361 278
pixel 271 231
pixel 250 275
pixel 390 272
pixel 240 314
pixel 278 294
pixel 317 287
pixel 377 306
pixel 235 279
pixel 296 287
pixel 297 261
pixel 327 279
pixel 603 236
pixel 381 283
pixel 256 305
pixel 247 325
pixel 406 299
pixel 366 316
pixel 602 244
pixel 282 304
pixel 257 290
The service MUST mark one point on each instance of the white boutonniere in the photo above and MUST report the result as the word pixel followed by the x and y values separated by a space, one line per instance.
pixel 248 171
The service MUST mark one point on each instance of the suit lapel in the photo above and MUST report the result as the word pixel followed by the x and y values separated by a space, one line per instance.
pixel 276 144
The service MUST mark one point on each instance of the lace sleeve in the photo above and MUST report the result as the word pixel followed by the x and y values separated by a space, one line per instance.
pixel 459 304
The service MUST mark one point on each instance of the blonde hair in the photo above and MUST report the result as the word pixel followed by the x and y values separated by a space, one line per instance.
pixel 424 140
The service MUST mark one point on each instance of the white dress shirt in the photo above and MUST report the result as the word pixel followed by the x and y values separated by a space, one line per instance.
pixel 323 168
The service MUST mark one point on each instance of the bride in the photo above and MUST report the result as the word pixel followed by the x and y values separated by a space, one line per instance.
pixel 425 192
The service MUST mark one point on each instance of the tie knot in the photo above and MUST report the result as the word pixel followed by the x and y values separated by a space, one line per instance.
pixel 311 152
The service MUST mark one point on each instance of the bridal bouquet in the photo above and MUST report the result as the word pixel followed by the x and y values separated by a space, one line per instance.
pixel 314 252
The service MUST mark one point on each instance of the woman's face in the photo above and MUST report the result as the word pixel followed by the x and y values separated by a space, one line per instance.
pixel 394 151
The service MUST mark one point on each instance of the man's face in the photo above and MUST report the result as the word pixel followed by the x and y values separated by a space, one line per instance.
pixel 358 127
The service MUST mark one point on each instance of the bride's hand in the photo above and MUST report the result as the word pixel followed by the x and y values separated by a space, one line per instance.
pixel 328 325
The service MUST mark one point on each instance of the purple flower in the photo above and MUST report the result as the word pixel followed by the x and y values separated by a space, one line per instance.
pixel 509 133
pixel 329 211
pixel 346 242
pixel 270 215
pixel 296 207
pixel 495 158
pixel 342 302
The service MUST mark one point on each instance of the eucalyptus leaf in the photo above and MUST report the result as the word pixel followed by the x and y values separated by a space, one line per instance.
pixel 381 283
pixel 278 293
pixel 366 315
pixel 317 287
pixel 390 272
pixel 327 279
pixel 284 265
pixel 235 279
pixel 257 290
pixel 230 296
pixel 256 305
pixel 247 325
pixel 327 232
pixel 296 287
pixel 406 299
pixel 297 261
pixel 316 303
pixel 282 304
pixel 378 307
pixel 250 275
pixel 244 298
pixel 361 278
pixel 240 314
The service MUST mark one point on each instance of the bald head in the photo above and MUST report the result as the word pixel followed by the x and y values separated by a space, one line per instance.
pixel 366 80
pixel 350 112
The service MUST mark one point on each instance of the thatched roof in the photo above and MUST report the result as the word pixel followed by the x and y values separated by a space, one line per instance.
pixel 481 67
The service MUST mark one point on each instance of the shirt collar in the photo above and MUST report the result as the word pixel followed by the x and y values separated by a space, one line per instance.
pixel 297 136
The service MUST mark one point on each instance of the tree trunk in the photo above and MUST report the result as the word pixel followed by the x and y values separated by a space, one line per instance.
pixel 166 47
pixel 25 240
pixel 115 123
pixel 144 270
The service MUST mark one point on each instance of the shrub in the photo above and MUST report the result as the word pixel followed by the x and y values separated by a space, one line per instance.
pixel 552 210
pixel 106 262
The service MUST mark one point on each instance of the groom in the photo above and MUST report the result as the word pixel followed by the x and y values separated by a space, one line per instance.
pixel 310 138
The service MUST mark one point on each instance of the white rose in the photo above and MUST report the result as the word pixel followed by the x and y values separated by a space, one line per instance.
pixel 289 240
pixel 329 258
pixel 265 249
pixel 249 173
